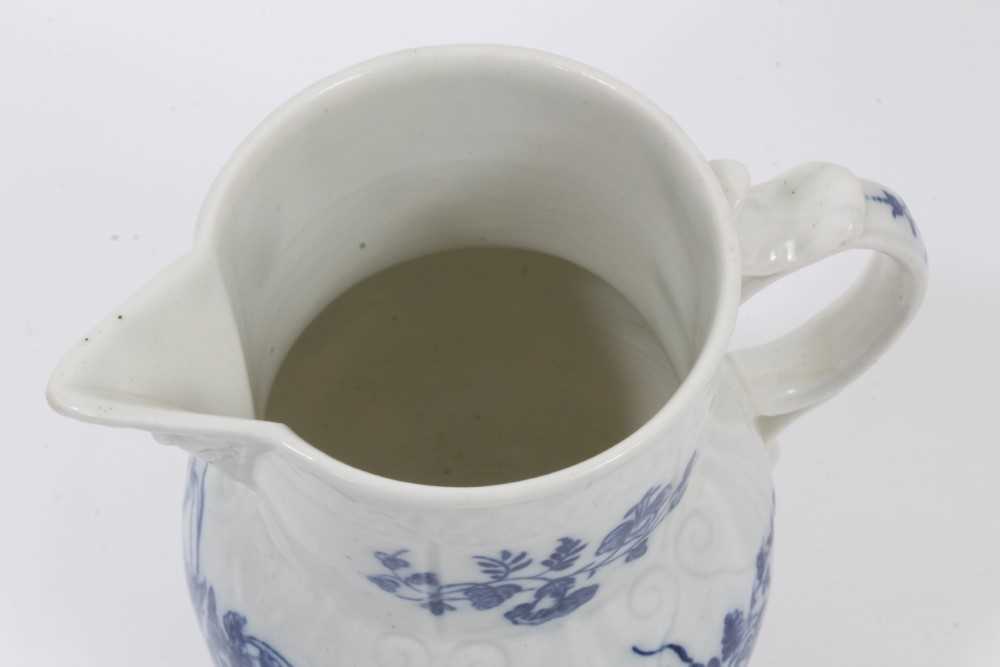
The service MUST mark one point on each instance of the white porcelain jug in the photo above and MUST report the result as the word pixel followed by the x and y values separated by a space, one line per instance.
pixel 656 551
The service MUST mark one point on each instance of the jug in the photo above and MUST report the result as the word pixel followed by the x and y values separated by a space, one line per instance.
pixel 657 551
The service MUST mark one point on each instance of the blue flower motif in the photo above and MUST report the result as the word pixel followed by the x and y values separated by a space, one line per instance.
pixel 739 628
pixel 565 555
pixel 554 583
pixel 562 604
pixel 228 641
pixel 486 596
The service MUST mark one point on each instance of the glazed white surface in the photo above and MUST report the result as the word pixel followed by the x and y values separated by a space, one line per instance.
pixel 888 456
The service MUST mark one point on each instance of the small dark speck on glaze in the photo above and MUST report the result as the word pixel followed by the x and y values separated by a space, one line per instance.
pixel 86 340
pixel 362 245
pixel 121 317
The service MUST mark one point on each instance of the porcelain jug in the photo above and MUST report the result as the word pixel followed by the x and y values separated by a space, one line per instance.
pixel 656 551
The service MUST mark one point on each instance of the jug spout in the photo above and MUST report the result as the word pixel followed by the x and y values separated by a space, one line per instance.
pixel 168 361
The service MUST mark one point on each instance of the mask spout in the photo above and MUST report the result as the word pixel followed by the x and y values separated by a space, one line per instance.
pixel 169 361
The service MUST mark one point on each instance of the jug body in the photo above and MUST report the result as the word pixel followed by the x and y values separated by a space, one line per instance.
pixel 655 550
pixel 630 566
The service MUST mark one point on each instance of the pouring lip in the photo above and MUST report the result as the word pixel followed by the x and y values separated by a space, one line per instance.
pixel 727 297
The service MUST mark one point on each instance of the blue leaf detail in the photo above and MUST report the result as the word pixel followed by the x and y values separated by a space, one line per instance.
pixel 554 589
pixel 565 555
pixel 233 624
pixel 492 568
pixel 519 562
pixel 226 633
pixel 386 583
pixel 650 504
pixel 897 207
pixel 267 660
pixel 485 596
pixel 678 494
pixel 423 579
pixel 733 633
pixel 614 540
pixel 393 561
pixel 520 566
pixel 535 614
pixel 520 614
pixel 577 599
pixel 739 628
pixel 636 552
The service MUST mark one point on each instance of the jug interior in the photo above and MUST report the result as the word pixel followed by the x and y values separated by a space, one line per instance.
pixel 397 162
pixel 472 367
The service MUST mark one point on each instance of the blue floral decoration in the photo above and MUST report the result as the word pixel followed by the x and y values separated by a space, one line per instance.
pixel 551 588
pixel 228 641
pixel 897 208
pixel 739 628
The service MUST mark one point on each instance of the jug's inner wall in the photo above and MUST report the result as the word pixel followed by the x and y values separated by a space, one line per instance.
pixel 441 150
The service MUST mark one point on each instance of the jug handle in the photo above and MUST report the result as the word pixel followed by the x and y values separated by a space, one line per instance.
pixel 807 214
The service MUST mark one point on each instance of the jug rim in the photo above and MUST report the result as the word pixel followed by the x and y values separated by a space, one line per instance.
pixel 268 435
pixel 725 243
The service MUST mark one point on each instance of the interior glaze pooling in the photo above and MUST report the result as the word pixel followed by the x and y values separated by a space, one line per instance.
pixel 473 367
